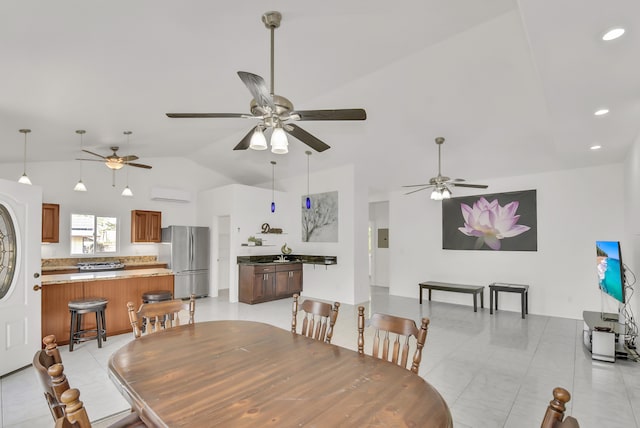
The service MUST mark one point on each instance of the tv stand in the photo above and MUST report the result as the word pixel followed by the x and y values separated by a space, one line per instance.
pixel 607 317
pixel 601 334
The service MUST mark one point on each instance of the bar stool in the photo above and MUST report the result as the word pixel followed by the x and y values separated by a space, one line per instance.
pixel 154 296
pixel 85 306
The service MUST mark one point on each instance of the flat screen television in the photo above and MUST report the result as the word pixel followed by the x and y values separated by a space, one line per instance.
pixel 610 269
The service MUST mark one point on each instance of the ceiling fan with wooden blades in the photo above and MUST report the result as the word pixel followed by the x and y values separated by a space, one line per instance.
pixel 275 112
pixel 440 184
pixel 114 161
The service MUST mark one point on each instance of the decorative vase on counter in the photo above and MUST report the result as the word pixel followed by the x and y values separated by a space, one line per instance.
pixel 285 250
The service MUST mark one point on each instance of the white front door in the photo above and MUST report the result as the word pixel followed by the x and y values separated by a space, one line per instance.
pixel 20 236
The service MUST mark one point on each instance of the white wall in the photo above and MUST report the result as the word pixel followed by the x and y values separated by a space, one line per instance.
pixel 379 216
pixel 631 245
pixel 58 179
pixel 574 209
pixel 248 208
pixel 346 282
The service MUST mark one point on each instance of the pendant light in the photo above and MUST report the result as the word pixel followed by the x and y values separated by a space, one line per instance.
pixel 308 202
pixel 80 187
pixel 23 178
pixel 273 199
pixel 127 190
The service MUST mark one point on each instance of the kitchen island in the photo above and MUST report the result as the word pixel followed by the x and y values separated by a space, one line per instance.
pixel 119 287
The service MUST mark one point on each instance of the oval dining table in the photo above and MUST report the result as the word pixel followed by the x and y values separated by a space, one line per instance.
pixel 251 374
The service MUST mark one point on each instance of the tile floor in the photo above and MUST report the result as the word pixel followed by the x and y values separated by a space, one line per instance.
pixel 493 370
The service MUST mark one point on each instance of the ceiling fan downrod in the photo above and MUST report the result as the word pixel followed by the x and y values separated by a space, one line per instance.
pixel 439 141
pixel 272 21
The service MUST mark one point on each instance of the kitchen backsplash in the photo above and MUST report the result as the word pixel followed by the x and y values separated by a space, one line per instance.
pixel 76 260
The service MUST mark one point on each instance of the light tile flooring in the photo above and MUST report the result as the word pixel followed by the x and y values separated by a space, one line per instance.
pixel 493 370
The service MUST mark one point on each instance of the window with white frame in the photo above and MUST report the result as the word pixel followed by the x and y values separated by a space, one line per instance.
pixel 92 234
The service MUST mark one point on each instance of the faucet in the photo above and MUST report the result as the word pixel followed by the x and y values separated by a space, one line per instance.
pixel 282 259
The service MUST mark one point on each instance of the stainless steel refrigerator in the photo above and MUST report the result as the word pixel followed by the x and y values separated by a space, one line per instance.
pixel 186 251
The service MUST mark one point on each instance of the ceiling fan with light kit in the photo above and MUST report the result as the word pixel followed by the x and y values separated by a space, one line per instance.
pixel 440 184
pixel 114 161
pixel 275 112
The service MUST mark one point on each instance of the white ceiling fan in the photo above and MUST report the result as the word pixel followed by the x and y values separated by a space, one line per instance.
pixel 441 184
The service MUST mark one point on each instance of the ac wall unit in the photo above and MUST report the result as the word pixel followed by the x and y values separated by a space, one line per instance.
pixel 170 195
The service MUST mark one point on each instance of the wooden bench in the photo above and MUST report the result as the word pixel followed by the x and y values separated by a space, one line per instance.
pixel 523 289
pixel 455 288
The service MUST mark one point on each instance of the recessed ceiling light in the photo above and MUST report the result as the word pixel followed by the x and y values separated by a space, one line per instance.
pixel 613 34
pixel 595 147
pixel 601 112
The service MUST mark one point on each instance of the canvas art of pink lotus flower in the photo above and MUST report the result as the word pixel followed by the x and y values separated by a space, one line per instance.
pixel 490 222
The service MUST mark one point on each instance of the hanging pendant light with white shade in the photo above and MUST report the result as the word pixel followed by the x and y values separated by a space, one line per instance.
pixel 308 201
pixel 23 178
pixel 80 187
pixel 127 190
pixel 273 199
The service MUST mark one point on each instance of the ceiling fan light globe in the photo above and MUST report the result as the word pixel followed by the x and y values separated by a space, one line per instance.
pixel 24 179
pixel 446 194
pixel 279 142
pixel 80 187
pixel 436 195
pixel 258 140
pixel 114 164
pixel 127 192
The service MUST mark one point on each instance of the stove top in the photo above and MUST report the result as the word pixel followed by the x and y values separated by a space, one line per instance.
pixel 94 266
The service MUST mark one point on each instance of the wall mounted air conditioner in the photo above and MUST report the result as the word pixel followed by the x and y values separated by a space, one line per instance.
pixel 170 195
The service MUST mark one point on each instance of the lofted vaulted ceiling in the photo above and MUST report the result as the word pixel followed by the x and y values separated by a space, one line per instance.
pixel 512 85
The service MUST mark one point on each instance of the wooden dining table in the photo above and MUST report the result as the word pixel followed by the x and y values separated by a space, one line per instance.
pixel 251 374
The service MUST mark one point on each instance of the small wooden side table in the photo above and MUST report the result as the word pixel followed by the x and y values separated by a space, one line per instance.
pixel 523 289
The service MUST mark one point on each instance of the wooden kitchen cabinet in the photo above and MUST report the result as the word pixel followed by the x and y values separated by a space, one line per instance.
pixel 264 282
pixel 118 292
pixel 256 283
pixel 50 223
pixel 55 298
pixel 56 318
pixel 288 279
pixel 146 226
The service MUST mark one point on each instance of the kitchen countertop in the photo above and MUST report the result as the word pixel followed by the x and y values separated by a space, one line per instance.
pixel 101 275
pixel 127 265
pixel 291 258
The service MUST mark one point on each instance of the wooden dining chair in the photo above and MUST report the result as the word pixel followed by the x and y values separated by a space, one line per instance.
pixel 76 415
pixel 43 360
pixel 159 315
pixel 385 324
pixel 554 416
pixel 319 318
pixel 50 372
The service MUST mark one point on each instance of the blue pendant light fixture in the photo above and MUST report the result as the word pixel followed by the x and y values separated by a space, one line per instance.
pixel 308 202
pixel 273 201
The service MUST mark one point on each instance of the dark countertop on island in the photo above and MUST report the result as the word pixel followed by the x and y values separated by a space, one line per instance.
pixel 291 258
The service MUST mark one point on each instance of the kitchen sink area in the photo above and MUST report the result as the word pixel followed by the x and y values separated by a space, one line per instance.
pixel 289 258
